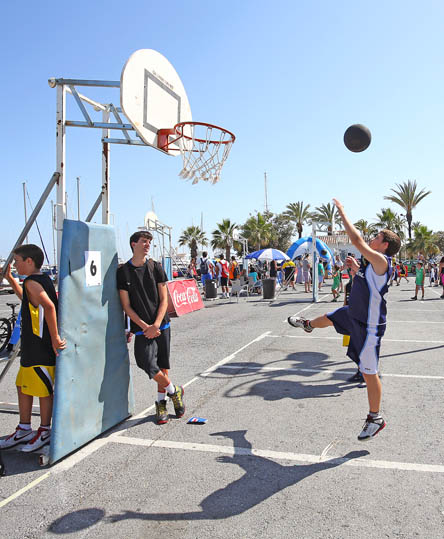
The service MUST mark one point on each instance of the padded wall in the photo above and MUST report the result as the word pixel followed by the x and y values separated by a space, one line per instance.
pixel 93 389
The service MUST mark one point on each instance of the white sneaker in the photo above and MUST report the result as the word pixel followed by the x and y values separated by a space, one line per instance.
pixel 20 436
pixel 299 322
pixel 371 428
pixel 42 437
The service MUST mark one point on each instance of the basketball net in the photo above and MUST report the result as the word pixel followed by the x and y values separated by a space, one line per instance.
pixel 204 149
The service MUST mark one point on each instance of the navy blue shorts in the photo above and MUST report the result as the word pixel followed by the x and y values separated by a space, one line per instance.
pixel 365 341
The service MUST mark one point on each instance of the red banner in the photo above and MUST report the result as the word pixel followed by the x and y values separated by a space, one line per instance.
pixel 183 297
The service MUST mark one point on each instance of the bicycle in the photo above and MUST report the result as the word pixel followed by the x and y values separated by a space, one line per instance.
pixel 6 327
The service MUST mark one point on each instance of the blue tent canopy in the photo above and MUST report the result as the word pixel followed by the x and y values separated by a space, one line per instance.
pixel 268 254
pixel 303 245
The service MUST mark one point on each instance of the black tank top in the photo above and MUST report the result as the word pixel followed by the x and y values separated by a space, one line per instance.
pixel 36 347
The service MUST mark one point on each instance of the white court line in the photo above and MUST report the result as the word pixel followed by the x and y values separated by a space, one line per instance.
pixel 302 310
pixel 403 321
pixel 16 404
pixel 24 489
pixel 340 339
pixel 279 455
pixel 91 447
pixel 411 322
pixel 327 371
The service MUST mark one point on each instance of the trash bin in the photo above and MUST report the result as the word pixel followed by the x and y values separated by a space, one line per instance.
pixel 268 288
pixel 210 289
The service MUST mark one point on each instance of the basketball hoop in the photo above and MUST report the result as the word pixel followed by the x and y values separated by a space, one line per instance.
pixel 204 149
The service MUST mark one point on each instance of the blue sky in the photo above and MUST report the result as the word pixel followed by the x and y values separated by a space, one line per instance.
pixel 287 79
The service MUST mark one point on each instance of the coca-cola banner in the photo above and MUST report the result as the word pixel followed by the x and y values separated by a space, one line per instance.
pixel 184 297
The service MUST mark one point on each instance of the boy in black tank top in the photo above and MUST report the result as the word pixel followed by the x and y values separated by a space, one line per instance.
pixel 142 289
pixel 40 342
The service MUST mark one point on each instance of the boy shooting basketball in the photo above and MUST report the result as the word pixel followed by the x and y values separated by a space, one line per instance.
pixel 40 342
pixel 364 319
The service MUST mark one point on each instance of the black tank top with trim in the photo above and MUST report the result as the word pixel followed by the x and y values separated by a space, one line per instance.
pixel 36 347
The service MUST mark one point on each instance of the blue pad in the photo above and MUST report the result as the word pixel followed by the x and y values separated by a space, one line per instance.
pixel 93 390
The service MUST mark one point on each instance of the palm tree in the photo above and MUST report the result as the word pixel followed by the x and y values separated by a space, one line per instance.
pixel 328 213
pixel 258 230
pixel 223 236
pixel 386 219
pixel 192 236
pixel 365 228
pixel 407 197
pixel 424 241
pixel 399 225
pixel 298 214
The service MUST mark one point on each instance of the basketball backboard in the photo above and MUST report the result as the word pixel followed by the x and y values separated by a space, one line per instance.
pixel 151 219
pixel 152 95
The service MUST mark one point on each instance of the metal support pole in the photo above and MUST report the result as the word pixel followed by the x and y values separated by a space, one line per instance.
pixel 315 258
pixel 53 224
pixel 78 198
pixel 60 166
pixel 94 208
pixel 105 170
pixel 24 205
pixel 32 218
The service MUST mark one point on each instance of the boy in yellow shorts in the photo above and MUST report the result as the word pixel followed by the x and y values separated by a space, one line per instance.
pixel 40 342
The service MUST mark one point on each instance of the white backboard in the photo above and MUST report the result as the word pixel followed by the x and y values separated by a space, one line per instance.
pixel 152 95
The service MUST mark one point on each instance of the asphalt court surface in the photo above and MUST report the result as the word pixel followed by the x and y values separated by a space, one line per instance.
pixel 279 454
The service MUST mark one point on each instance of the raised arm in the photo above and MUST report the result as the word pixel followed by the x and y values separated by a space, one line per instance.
pixel 376 259
pixel 18 290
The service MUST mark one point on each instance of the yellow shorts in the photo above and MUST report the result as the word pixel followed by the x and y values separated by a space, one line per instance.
pixel 37 381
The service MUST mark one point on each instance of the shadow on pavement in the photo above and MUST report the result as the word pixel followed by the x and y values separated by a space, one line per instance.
pixel 271 388
pixel 262 479
pixel 76 521
pixel 413 351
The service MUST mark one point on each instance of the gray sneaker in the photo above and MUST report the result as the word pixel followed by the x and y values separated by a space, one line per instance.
pixel 371 428
pixel 20 436
pixel 299 322
pixel 177 398
pixel 161 412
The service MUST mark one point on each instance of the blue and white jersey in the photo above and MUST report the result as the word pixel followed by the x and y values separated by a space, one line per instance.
pixel 367 303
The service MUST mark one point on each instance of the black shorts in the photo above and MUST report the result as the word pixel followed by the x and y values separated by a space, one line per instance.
pixel 289 273
pixel 153 354
pixel 224 281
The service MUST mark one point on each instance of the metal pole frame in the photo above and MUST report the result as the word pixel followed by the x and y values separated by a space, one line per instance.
pixel 315 258
pixel 60 166
pixel 316 227
pixel 105 169
pixel 120 123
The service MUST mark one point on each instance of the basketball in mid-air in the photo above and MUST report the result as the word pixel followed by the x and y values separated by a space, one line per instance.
pixel 357 138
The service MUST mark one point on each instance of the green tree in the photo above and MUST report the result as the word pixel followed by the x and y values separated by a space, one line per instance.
pixel 223 236
pixel 327 213
pixel 258 231
pixel 423 242
pixel 281 233
pixel 408 198
pixel 365 228
pixel 386 219
pixel 298 214
pixel 439 240
pixel 192 236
